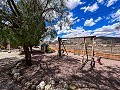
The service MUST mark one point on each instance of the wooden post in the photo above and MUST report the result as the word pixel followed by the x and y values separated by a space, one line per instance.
pixel 92 61
pixel 59 50
pixel 111 45
pixel 85 48
pixel 9 51
pixel 74 46
pixel 92 46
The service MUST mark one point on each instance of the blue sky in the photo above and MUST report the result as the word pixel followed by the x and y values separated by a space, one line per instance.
pixel 86 20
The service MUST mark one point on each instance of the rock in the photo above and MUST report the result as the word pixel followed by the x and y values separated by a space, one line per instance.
pixel 58 89
pixel 10 82
pixel 23 81
pixel 24 88
pixel 16 75
pixel 52 82
pixel 18 65
pixel 35 81
pixel 33 87
pixel 65 86
pixel 41 86
pixel 61 81
pixel 15 71
pixel 72 87
pixel 19 79
pixel 48 87
pixel 28 84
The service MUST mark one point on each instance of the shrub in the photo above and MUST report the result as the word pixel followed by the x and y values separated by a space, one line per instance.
pixel 2 47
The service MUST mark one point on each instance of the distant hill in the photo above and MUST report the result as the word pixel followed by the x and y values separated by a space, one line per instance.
pixel 108 39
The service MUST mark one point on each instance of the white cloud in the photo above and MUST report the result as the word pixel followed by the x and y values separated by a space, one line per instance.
pixel 78 32
pixel 99 18
pixel 100 1
pixel 107 31
pixel 92 8
pixel 103 31
pixel 92 22
pixel 116 16
pixel 71 4
pixel 111 2
pixel 108 17
pixel 78 20
pixel 89 22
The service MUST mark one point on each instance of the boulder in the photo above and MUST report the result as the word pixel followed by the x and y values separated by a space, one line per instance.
pixel 41 86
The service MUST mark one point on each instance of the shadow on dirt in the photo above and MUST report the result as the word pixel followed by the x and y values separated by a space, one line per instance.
pixel 47 66
pixel 107 78
pixel 6 81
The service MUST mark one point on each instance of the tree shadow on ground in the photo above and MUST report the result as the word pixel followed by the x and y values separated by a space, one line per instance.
pixel 40 71
pixel 6 81
pixel 47 66
pixel 106 78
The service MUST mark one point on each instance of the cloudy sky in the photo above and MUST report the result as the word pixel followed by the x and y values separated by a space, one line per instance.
pixel 92 17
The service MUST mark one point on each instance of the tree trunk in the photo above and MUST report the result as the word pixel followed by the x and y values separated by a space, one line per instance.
pixel 31 48
pixel 27 55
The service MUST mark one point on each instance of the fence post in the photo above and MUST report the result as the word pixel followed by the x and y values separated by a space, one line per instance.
pixel 92 46
pixel 9 50
pixel 111 45
pixel 59 50
pixel 85 48
pixel 74 46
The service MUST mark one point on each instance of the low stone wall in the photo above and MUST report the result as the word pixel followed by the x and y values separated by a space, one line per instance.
pixel 104 55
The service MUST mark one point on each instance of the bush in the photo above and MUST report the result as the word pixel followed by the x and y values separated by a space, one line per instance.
pixel 2 47
pixel 50 50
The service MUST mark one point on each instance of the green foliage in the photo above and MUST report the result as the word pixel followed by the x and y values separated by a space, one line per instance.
pixel 29 27
pixel 2 47
pixel 50 50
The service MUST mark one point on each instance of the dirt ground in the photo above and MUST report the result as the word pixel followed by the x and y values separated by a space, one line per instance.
pixel 46 66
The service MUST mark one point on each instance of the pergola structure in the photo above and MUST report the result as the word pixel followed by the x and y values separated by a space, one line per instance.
pixel 60 41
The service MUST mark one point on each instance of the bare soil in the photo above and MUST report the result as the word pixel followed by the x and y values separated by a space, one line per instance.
pixel 46 66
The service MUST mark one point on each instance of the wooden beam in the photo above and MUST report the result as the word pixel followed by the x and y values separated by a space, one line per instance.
pixel 79 37
pixel 85 46
pixel 92 46
pixel 59 50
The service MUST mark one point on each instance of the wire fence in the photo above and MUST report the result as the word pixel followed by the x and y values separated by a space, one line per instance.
pixel 107 46
pixel 103 46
